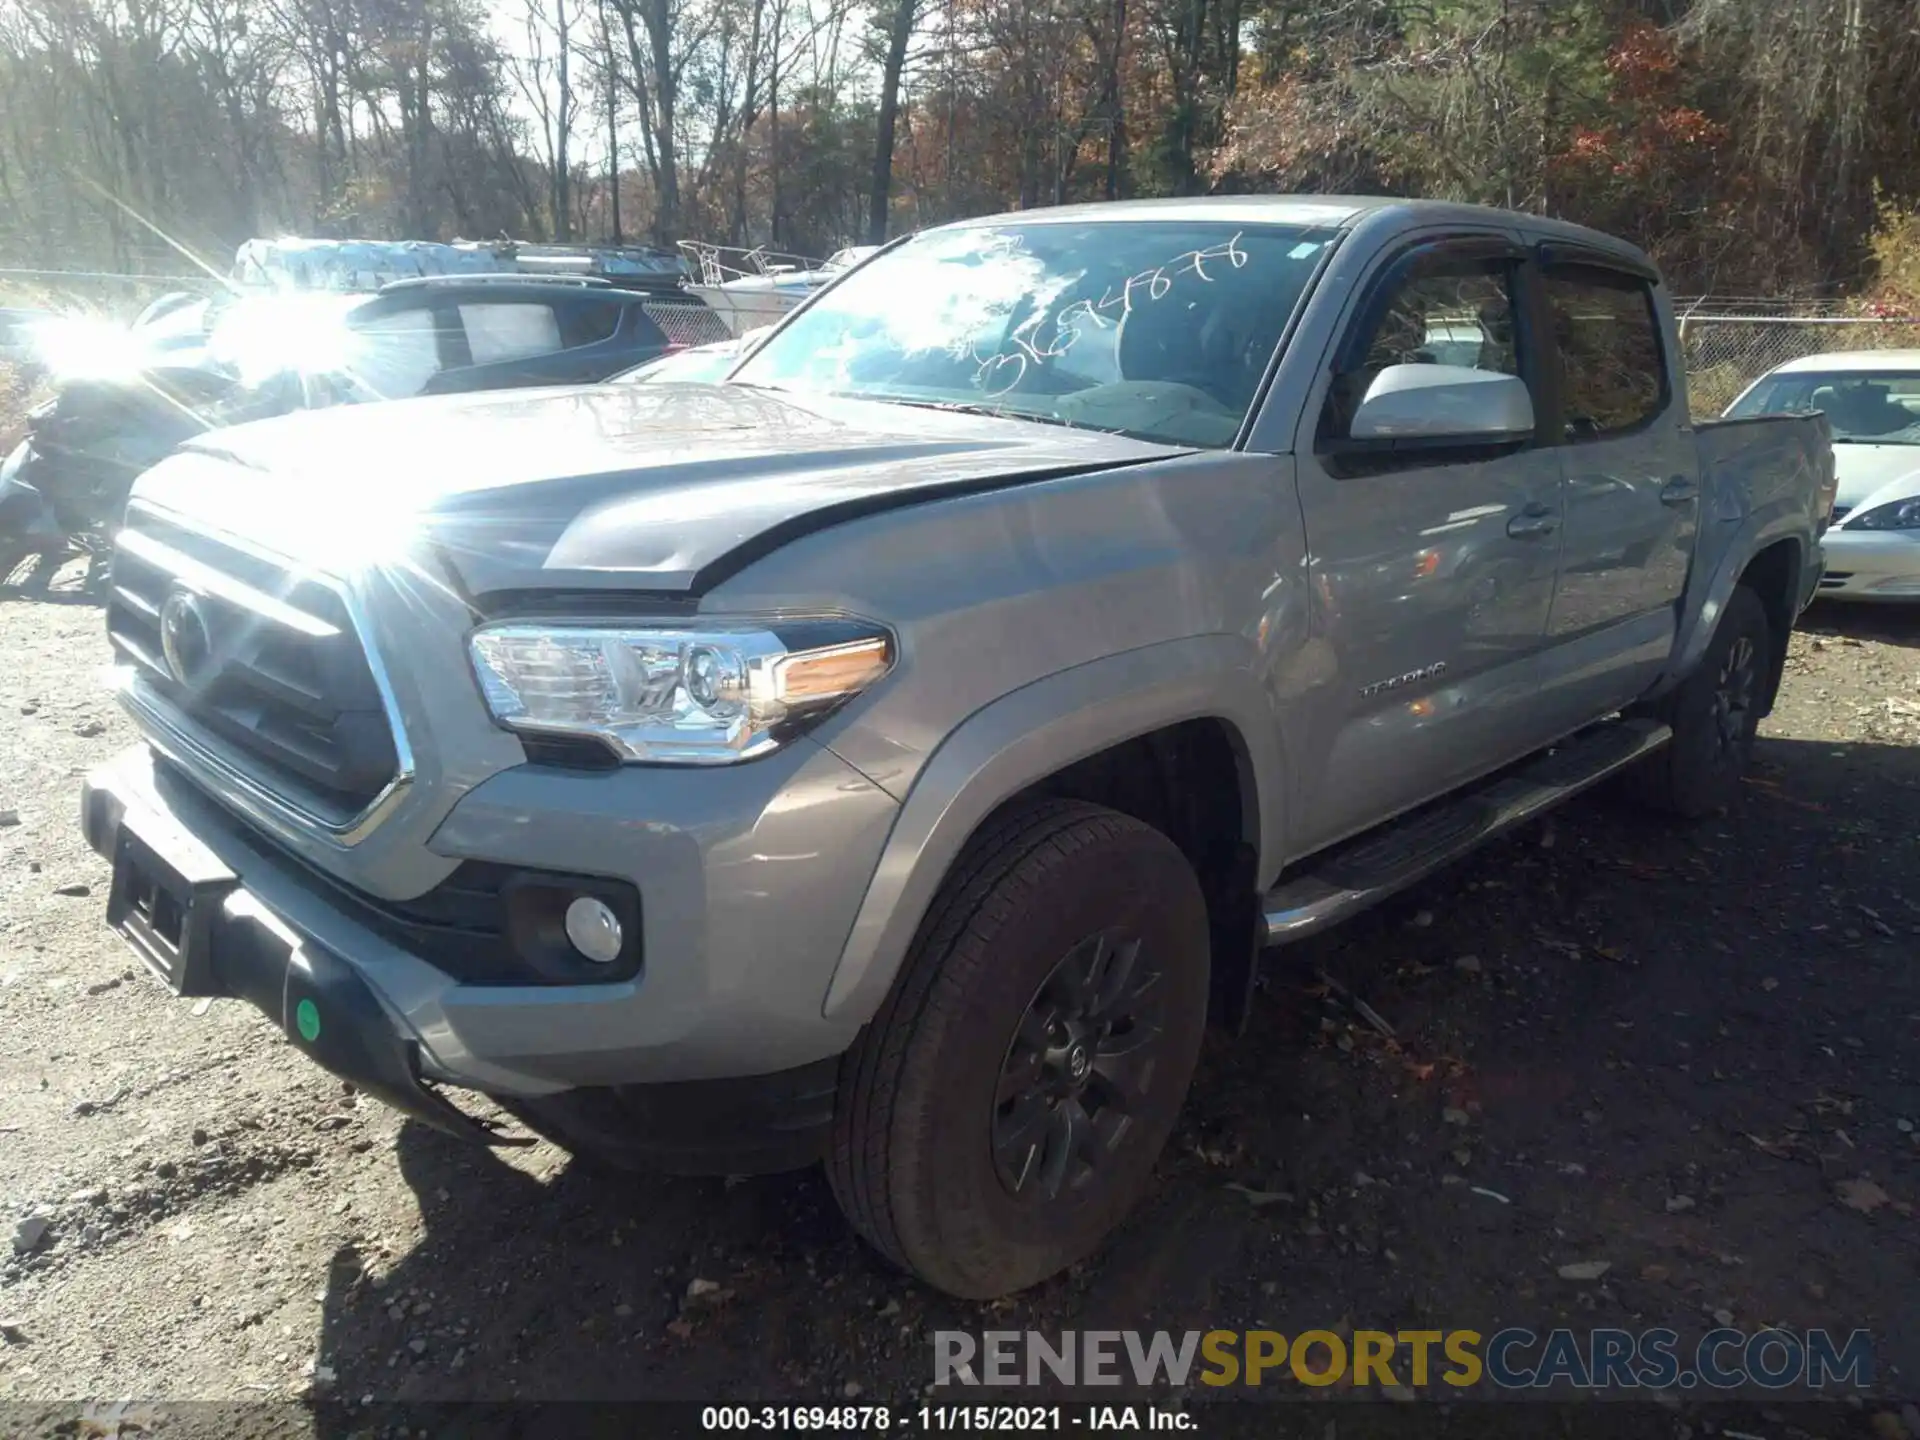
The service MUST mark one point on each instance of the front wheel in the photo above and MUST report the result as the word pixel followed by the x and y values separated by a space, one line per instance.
pixel 1003 1111
pixel 1715 714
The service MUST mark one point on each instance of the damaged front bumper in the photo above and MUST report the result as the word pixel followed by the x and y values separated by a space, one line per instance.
pixel 203 933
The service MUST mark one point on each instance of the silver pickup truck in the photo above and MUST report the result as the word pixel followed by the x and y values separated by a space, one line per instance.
pixel 895 754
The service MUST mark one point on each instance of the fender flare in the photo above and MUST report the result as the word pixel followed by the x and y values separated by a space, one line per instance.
pixel 1027 735
pixel 1696 632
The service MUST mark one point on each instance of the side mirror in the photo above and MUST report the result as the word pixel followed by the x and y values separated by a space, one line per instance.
pixel 1444 402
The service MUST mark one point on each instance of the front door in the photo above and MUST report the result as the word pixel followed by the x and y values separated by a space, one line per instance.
pixel 1432 571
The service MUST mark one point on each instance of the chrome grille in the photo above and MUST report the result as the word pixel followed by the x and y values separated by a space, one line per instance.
pixel 268 663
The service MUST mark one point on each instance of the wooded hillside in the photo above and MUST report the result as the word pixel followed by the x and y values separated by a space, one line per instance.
pixel 1754 146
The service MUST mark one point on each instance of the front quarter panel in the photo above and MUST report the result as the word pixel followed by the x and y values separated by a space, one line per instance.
pixel 989 593
pixel 1037 625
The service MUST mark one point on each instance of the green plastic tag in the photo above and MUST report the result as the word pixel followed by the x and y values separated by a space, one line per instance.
pixel 306 1018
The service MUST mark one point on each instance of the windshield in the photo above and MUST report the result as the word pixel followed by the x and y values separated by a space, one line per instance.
pixel 1862 407
pixel 1156 329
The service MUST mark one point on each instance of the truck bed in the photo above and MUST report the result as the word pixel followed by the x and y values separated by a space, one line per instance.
pixel 1765 460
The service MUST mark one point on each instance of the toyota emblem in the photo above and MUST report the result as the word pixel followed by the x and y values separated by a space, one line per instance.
pixel 184 638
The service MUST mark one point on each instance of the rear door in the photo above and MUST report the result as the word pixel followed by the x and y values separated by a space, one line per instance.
pixel 1432 569
pixel 1632 486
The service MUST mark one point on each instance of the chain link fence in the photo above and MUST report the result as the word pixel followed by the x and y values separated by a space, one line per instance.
pixel 1730 344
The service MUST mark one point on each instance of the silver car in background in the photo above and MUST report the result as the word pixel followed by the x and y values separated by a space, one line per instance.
pixel 1871 398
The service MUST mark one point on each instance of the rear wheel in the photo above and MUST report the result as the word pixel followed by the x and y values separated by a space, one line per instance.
pixel 1003 1111
pixel 1715 714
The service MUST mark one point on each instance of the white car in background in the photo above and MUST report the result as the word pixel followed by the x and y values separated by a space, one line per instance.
pixel 1872 401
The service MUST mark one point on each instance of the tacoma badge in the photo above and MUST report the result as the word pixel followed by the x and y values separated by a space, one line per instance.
pixel 1412 677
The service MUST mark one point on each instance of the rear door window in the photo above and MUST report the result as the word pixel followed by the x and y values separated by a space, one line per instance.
pixel 1613 372
pixel 509 330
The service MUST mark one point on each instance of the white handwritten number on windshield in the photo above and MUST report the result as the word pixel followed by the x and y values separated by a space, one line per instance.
pixel 1047 338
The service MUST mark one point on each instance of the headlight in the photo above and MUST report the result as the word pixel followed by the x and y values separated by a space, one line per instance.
pixel 1895 515
pixel 699 694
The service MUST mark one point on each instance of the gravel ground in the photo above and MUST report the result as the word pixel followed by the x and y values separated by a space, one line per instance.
pixel 1685 1052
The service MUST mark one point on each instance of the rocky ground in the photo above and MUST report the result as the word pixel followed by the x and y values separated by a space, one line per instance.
pixel 1679 1061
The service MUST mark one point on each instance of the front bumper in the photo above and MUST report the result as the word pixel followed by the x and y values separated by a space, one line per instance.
pixel 745 901
pixel 1881 565
pixel 185 912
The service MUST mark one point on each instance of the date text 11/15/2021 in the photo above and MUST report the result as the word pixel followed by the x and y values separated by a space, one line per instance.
pixel 939 1419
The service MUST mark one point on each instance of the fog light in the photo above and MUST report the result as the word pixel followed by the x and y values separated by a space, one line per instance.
pixel 594 929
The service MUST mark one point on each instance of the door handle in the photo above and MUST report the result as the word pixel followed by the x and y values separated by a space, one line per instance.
pixel 1679 490
pixel 1532 523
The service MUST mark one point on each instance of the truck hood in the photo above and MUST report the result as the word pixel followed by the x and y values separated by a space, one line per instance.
pixel 642 487
pixel 1863 468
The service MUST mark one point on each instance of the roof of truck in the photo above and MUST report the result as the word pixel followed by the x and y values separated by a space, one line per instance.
pixel 1878 361
pixel 1343 211
pixel 1272 209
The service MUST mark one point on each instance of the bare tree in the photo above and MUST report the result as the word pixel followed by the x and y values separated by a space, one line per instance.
pixel 543 74
pixel 663 37
pixel 900 23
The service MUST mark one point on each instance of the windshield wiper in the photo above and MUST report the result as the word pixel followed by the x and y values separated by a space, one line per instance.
pixel 969 407
pixel 954 407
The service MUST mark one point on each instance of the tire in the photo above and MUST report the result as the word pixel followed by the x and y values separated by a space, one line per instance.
pixel 963 1126
pixel 1714 713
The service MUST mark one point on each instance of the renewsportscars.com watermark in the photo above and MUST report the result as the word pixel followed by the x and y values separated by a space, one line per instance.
pixel 1510 1359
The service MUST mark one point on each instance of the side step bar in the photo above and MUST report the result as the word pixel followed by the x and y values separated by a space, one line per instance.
pixel 1366 870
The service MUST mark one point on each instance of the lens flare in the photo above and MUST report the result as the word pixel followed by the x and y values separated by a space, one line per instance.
pixel 276 334
pixel 81 348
